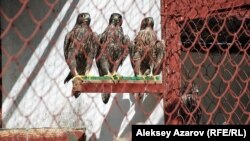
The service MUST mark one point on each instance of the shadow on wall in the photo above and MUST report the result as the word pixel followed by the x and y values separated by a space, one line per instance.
pixel 118 112
pixel 12 43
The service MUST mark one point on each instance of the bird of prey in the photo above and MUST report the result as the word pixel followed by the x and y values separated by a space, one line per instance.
pixel 113 49
pixel 147 53
pixel 80 49
pixel 189 98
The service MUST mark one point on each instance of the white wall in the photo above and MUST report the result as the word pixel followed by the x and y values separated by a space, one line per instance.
pixel 34 95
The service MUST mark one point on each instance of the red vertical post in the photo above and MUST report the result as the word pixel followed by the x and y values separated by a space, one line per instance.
pixel 1 85
pixel 172 78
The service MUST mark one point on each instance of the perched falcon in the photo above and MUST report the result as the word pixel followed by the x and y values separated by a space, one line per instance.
pixel 80 47
pixel 113 49
pixel 147 52
pixel 189 98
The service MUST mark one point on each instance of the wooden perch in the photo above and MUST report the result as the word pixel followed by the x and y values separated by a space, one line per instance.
pixel 122 85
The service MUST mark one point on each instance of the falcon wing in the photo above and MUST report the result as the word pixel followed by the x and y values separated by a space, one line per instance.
pixel 158 56
pixel 102 62
pixel 66 46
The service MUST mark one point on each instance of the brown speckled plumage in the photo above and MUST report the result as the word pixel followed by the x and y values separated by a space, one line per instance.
pixel 113 48
pixel 148 52
pixel 80 47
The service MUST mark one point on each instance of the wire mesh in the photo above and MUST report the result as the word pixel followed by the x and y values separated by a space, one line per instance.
pixel 204 78
pixel 34 68
pixel 208 54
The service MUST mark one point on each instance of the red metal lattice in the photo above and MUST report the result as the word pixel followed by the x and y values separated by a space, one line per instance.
pixel 205 77
pixel 208 46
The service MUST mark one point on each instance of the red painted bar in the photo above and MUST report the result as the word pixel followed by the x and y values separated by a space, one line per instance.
pixel 120 88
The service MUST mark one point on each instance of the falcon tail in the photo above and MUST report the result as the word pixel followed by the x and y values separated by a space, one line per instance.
pixel 69 76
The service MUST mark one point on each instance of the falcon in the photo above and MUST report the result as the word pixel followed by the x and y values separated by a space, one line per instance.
pixel 148 52
pixel 189 98
pixel 113 49
pixel 80 46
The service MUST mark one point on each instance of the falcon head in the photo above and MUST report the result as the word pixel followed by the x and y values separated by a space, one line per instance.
pixel 83 18
pixel 115 19
pixel 147 22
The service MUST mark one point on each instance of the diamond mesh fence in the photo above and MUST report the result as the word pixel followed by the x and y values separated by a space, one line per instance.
pixel 76 64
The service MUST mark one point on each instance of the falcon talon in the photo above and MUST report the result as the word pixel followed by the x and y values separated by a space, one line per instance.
pixel 112 77
pixel 118 76
pixel 154 77
pixel 144 78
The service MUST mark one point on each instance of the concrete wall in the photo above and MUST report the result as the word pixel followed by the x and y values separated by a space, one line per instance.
pixel 34 68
